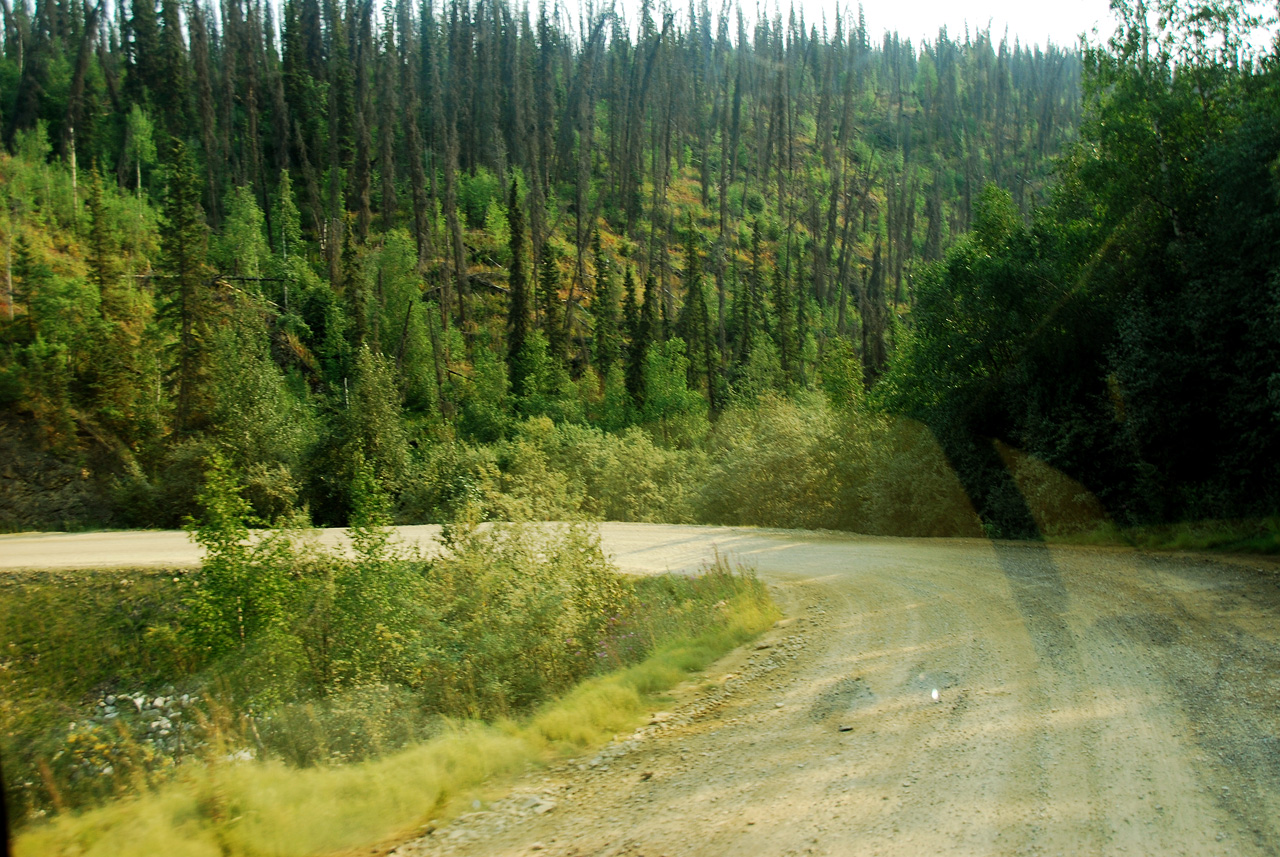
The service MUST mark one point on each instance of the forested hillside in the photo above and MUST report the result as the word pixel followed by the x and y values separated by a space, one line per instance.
pixel 520 263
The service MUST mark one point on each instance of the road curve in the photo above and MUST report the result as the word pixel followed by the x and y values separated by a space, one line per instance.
pixel 1089 701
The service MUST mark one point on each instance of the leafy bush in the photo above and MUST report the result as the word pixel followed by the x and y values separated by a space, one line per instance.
pixel 282 650
pixel 241 589
pixel 454 481
pixel 626 476
pixel 229 806
pixel 557 472
pixel 475 193
pixel 911 488
pixel 517 614
pixel 773 465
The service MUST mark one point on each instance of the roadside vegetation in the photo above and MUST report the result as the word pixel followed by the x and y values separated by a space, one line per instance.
pixel 183 699
pixel 459 263
pixel 864 271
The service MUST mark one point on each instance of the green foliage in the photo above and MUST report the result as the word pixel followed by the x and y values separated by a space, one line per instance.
pixel 761 374
pixel 530 487
pixel 1110 338
pixel 517 616
pixel 680 624
pixel 453 482
pixel 361 309
pixel 518 303
pixel 605 308
pixel 907 484
pixel 773 465
pixel 64 639
pixel 241 249
pixel 779 462
pixel 841 376
pixel 485 406
pixel 371 427
pixel 676 413
pixel 550 306
pixel 548 389
pixel 265 428
pixel 616 409
pixel 188 299
pixel 476 192
pixel 241 591
pixel 401 321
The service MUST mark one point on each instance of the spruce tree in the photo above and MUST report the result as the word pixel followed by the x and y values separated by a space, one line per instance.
pixel 646 337
pixel 606 310
pixel 784 326
pixel 116 358
pixel 549 303
pixel 186 291
pixel 751 308
pixel 517 296
pixel 872 311
pixel 802 325
pixel 144 50
pixel 103 254
pixel 630 309
pixel 637 345
pixel 172 87
pixel 694 321
pixel 290 220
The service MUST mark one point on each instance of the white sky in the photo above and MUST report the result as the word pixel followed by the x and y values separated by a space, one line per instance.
pixel 1029 21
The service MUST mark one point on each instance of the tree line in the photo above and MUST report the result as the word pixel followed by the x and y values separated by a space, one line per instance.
pixel 336 233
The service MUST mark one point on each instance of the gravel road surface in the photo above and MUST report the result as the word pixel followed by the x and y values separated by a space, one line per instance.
pixel 1088 701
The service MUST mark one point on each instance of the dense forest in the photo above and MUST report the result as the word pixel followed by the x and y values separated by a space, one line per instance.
pixel 519 263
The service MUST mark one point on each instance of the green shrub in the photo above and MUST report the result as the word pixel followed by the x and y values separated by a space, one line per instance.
pixel 625 476
pixel 517 614
pixel 475 193
pixel 454 481
pixel 774 464
pixel 532 488
pixel 911 488
pixel 241 589
pixel 285 651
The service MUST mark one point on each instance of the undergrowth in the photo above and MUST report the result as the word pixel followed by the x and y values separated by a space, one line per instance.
pixel 227 805
pixel 282 700
pixel 1256 536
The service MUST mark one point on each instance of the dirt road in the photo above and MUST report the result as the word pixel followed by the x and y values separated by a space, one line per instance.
pixel 1088 702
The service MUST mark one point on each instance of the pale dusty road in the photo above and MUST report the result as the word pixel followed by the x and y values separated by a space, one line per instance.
pixel 1090 702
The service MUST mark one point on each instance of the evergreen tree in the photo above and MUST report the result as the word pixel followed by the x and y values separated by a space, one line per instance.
pixel 605 306
pixel 188 298
pixel 784 330
pixel 872 309
pixel 143 51
pixel 693 325
pixel 172 87
pixel 637 338
pixel 517 296
pixel 648 333
pixel 550 304
pixel 290 219
pixel 116 360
